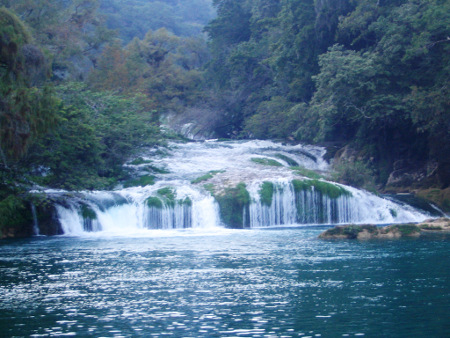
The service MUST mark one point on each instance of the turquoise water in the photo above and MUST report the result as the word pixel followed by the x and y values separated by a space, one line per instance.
pixel 247 283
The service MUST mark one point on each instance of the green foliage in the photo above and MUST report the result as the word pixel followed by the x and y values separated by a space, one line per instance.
pixel 354 173
pixel 327 189
pixel 266 193
pixel 162 66
pixel 266 161
pixel 373 74
pixel 154 202
pixel 14 212
pixel 232 203
pixel 97 133
pixel 134 18
pixel 25 110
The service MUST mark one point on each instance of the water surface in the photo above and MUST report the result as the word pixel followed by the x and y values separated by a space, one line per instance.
pixel 223 283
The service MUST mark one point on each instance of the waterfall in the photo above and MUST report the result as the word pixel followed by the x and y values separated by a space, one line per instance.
pixel 132 210
pixel 312 206
pixel 264 182
pixel 35 220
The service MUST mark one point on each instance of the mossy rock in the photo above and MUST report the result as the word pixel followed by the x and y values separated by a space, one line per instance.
pixel 266 162
pixel 87 212
pixel 154 202
pixel 232 203
pixel 367 231
pixel 210 188
pixel 187 202
pixel 168 195
pixel 306 172
pixel 405 229
pixel 141 181
pixel 139 161
pixel 266 193
pixel 207 176
pixel 327 189
pixel 291 162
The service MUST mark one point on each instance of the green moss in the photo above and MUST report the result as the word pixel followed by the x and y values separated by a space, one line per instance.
pixel 167 192
pixel 139 161
pixel 153 169
pixel 232 203
pixel 327 189
pixel 187 201
pixel 287 159
pixel 14 212
pixel 406 229
pixel 300 185
pixel 266 193
pixel 166 196
pixel 266 161
pixel 393 212
pixel 140 181
pixel 154 202
pixel 430 227
pixel 87 212
pixel 207 176
pixel 210 188
pixel 307 173
pixel 349 231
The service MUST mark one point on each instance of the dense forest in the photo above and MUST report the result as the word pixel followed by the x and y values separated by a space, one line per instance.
pixel 85 84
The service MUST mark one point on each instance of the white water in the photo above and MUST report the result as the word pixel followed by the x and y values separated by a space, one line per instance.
pixel 125 211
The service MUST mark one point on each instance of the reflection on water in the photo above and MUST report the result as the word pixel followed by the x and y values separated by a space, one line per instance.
pixel 254 283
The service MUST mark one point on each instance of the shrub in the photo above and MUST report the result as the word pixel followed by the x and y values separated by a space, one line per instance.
pixel 354 173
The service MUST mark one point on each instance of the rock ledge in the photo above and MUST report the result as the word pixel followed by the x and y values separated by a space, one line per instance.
pixel 368 231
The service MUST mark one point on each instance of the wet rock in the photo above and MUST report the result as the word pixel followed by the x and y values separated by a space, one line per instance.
pixel 367 231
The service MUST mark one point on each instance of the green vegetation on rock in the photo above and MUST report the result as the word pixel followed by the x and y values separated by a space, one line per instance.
pixel 154 202
pixel 141 181
pixel 287 159
pixel 266 193
pixel 306 172
pixel 168 194
pixel 139 161
pixel 232 203
pixel 87 212
pixel 207 176
pixel 327 189
pixel 407 229
pixel 187 202
pixel 210 188
pixel 266 161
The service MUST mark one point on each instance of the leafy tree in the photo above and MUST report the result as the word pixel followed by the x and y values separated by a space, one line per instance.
pixel 97 133
pixel 25 111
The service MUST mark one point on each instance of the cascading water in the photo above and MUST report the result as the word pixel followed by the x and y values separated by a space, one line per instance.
pixel 188 179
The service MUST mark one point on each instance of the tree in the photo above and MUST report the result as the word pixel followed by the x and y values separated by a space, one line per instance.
pixel 25 111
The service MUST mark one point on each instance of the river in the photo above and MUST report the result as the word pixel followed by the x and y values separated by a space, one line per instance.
pixel 273 282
